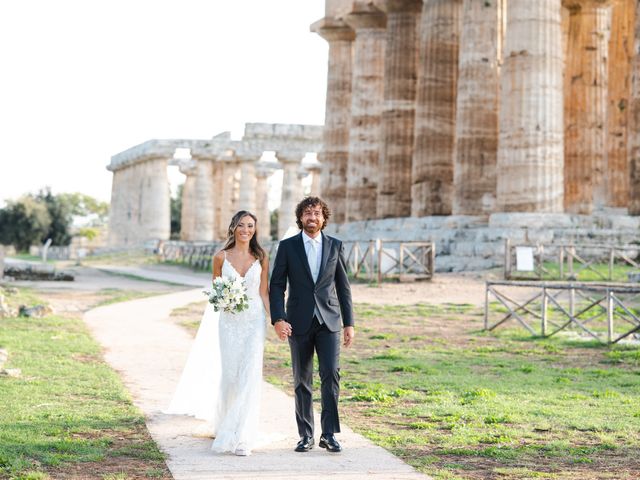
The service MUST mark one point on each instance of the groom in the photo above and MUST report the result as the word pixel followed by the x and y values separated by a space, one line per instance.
pixel 318 306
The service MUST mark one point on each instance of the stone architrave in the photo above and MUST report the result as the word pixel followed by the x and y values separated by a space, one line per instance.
pixel 247 191
pixel 394 173
pixel 619 74
pixel 155 205
pixel 291 190
pixel 586 105
pixel 335 149
pixel 634 124
pixel 204 199
pixel 367 97
pixel 530 149
pixel 476 143
pixel 263 172
pixel 189 204
pixel 434 142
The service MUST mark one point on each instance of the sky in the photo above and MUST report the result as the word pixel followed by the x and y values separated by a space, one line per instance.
pixel 83 80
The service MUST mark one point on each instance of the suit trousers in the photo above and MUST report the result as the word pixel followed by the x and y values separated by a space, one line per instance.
pixel 327 345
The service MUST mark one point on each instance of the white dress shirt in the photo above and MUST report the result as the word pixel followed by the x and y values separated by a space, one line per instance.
pixel 307 247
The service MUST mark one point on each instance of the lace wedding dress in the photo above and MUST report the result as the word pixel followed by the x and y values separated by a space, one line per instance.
pixel 221 381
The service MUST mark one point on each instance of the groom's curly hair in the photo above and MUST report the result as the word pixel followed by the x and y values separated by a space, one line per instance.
pixel 312 202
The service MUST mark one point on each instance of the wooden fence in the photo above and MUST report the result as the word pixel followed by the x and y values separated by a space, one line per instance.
pixel 606 312
pixel 572 260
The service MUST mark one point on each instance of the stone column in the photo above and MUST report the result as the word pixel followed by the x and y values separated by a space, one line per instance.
pixel 228 168
pixel 394 173
pixel 619 74
pixel 291 191
pixel 315 170
pixel 117 208
pixel 634 124
pixel 476 139
pixel 248 179
pixel 335 149
pixel 189 203
pixel 367 98
pixel 432 170
pixel 586 105
pixel 155 207
pixel 530 151
pixel 204 198
pixel 263 173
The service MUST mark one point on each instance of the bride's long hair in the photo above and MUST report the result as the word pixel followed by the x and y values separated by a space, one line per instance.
pixel 254 246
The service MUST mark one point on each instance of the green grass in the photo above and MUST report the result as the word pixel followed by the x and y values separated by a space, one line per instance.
pixel 67 407
pixel 429 385
pixel 597 272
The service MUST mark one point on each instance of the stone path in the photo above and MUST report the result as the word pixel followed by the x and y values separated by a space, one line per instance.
pixel 148 349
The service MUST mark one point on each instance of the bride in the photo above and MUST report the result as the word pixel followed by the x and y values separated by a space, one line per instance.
pixel 222 379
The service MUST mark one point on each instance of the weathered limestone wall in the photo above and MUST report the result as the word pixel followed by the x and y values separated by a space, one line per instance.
pixel 432 168
pixel 530 151
pixel 394 181
pixel 476 147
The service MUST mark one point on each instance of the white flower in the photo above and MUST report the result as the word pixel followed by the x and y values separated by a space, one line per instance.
pixel 228 295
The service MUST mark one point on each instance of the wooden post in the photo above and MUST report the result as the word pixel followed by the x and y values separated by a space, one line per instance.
pixel 612 255
pixel 561 262
pixel 486 305
pixel 572 302
pixel 372 251
pixel 545 302
pixel 609 316
pixel 432 260
pixel 571 252
pixel 507 259
pixel 356 259
pixel 380 262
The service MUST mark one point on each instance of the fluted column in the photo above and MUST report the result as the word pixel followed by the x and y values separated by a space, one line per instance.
pixel 367 98
pixel 476 139
pixel 156 201
pixel 619 75
pixel 335 149
pixel 634 123
pixel 228 169
pixel 530 151
pixel 291 191
pixel 586 105
pixel 189 203
pixel 394 173
pixel 262 201
pixel 248 179
pixel 432 170
pixel 204 199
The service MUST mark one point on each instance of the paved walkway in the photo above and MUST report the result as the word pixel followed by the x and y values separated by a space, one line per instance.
pixel 149 351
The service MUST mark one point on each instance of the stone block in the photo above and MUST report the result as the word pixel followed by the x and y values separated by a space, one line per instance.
pixel 531 220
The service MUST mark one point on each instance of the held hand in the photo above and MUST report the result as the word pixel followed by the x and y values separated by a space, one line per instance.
pixel 283 329
pixel 349 333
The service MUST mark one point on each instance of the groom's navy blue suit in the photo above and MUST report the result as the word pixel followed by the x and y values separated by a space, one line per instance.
pixel 331 295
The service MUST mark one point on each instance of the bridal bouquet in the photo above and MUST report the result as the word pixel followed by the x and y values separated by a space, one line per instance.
pixel 228 295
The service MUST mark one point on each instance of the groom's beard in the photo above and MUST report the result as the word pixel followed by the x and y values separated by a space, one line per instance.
pixel 312 229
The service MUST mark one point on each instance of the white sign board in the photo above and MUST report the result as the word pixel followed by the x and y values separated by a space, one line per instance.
pixel 524 259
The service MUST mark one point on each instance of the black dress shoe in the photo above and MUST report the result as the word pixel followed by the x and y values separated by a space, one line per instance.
pixel 329 442
pixel 305 444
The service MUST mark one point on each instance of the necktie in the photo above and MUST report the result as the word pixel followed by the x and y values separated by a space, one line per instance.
pixel 313 260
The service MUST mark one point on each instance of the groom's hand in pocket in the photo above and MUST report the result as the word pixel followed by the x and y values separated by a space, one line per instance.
pixel 283 329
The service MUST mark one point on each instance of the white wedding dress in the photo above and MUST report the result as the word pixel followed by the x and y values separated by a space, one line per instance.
pixel 221 381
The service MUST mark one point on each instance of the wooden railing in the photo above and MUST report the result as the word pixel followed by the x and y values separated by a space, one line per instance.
pixel 572 260
pixel 606 312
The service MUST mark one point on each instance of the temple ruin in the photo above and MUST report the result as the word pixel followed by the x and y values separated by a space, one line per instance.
pixel 222 176
pixel 471 107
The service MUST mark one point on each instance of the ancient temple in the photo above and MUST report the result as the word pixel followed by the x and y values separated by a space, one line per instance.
pixel 470 107
pixel 222 177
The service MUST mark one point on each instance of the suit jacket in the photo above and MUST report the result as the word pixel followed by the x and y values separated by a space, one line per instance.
pixel 331 293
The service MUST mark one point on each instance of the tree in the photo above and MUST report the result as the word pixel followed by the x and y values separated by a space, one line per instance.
pixel 24 223
pixel 82 205
pixel 60 214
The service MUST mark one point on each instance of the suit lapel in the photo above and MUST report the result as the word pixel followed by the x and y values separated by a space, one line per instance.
pixel 326 245
pixel 299 247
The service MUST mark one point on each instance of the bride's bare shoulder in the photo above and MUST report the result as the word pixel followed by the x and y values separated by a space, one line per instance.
pixel 219 256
